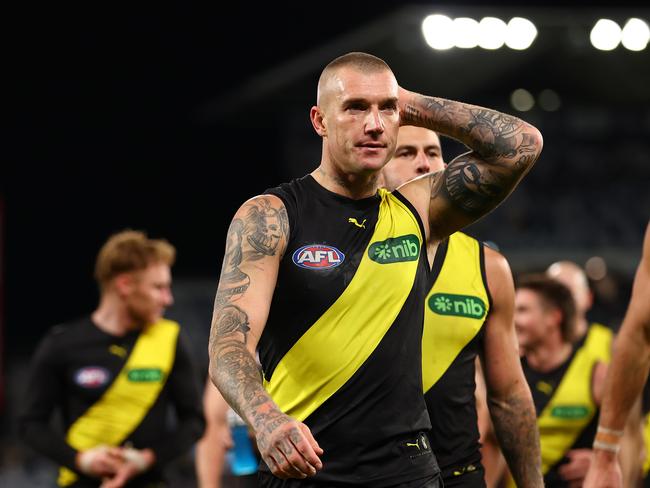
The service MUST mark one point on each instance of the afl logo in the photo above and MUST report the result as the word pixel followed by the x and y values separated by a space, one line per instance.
pixel 318 256
pixel 91 377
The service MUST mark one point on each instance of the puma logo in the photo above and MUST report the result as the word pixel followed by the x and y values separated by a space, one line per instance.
pixel 354 221
pixel 117 350
pixel 416 444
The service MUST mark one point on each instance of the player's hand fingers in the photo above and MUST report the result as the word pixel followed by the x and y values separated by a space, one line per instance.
pixel 313 443
pixel 281 467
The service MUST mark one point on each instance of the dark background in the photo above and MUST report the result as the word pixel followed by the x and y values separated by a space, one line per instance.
pixel 166 118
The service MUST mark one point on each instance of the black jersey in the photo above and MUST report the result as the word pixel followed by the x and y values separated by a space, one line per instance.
pixel 75 368
pixel 341 349
pixel 567 416
pixel 455 312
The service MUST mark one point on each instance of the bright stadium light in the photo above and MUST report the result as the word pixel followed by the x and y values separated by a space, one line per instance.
pixel 522 100
pixel 520 34
pixel 636 35
pixel 438 31
pixel 466 32
pixel 492 33
pixel 605 35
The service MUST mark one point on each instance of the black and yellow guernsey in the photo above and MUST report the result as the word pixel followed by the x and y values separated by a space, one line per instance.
pixel 112 391
pixel 341 350
pixel 567 415
pixel 456 309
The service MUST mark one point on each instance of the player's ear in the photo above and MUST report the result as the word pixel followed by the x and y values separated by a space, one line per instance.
pixel 123 283
pixel 318 121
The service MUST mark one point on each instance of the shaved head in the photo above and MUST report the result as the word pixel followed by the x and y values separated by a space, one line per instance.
pixel 573 277
pixel 362 62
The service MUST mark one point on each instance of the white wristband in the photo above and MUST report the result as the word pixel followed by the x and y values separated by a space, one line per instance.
pixel 605 430
pixel 607 446
pixel 137 458
pixel 86 459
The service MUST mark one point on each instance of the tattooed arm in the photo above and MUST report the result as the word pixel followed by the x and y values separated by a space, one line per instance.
pixel 503 149
pixel 509 398
pixel 257 239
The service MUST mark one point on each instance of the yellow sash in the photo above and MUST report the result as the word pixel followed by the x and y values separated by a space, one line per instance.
pixel 599 342
pixel 340 341
pixel 569 411
pixel 455 309
pixel 126 402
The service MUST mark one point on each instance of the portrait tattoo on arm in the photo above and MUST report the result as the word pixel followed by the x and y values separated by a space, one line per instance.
pixel 259 233
pixel 265 226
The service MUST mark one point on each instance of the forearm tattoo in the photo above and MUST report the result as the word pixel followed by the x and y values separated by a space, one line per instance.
pixel 258 234
pixel 515 425
pixel 503 149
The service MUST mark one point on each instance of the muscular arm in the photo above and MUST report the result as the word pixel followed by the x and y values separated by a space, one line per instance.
pixel 509 399
pixel 629 367
pixel 256 240
pixel 503 149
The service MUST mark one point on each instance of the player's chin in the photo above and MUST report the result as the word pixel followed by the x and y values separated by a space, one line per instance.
pixel 373 162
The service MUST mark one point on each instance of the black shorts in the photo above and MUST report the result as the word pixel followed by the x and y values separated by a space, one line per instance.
pixel 267 479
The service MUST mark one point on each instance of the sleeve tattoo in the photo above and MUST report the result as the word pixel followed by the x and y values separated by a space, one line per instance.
pixel 503 147
pixel 515 425
pixel 232 367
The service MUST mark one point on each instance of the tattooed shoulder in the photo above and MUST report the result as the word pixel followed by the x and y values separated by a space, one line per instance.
pixel 266 227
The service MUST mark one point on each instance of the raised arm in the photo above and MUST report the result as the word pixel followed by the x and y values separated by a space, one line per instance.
pixel 625 379
pixel 503 149
pixel 257 239
pixel 508 396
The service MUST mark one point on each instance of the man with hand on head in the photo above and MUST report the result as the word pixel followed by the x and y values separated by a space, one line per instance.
pixel 326 277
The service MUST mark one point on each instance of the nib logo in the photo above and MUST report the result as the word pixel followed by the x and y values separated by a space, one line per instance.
pixel 459 305
pixel 443 304
pixel 395 249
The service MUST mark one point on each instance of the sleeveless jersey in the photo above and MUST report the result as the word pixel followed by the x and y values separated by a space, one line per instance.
pixel 455 311
pixel 341 350
pixel 566 412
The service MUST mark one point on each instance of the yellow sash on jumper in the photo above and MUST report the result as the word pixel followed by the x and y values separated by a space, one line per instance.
pixel 569 411
pixel 340 341
pixel 599 342
pixel 571 407
pixel 126 402
pixel 455 309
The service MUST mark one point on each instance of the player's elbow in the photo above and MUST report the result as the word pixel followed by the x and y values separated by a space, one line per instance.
pixel 535 143
pixel 537 138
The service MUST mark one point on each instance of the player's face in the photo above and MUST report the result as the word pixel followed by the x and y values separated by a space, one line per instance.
pixel 418 152
pixel 532 319
pixel 150 293
pixel 361 118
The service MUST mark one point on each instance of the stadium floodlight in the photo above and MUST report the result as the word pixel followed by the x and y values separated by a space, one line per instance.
pixel 438 31
pixel 520 34
pixel 466 32
pixel 522 100
pixel 492 33
pixel 635 35
pixel 605 35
